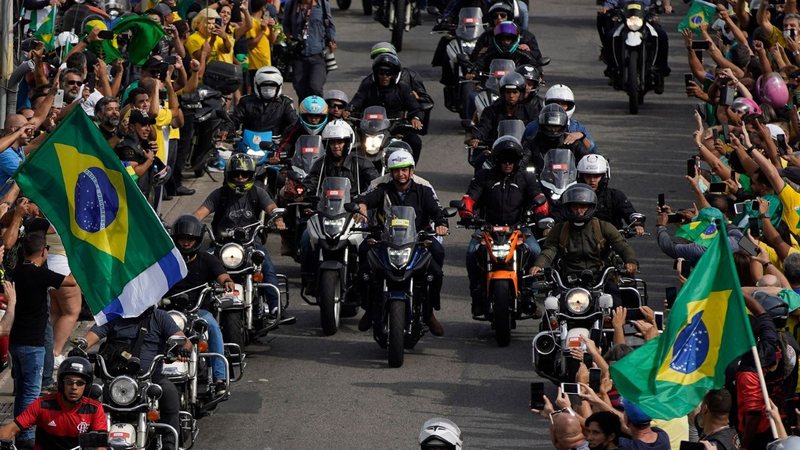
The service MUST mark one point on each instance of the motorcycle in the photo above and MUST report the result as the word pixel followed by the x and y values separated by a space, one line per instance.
pixel 243 313
pixel 634 49
pixel 332 235
pixel 400 16
pixel 308 149
pixel 204 108
pixel 476 156
pixel 375 131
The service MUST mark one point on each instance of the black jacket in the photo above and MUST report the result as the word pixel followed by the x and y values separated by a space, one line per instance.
pixel 358 169
pixel 420 197
pixel 486 130
pixel 534 150
pixel 613 207
pixel 483 60
pixel 396 98
pixel 255 114
pixel 407 76
pixel 503 199
pixel 484 43
pixel 130 149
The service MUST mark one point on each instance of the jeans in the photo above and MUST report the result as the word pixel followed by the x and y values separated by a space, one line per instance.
pixel 27 362
pixel 49 359
pixel 270 277
pixel 215 344
pixel 308 257
pixel 523 12
pixel 310 74
pixel 476 274
pixel 169 405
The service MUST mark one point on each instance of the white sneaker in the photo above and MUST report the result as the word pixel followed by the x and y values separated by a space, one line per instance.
pixel 57 360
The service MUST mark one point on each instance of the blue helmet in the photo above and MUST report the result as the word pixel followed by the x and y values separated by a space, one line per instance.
pixel 313 105
pixel 506 29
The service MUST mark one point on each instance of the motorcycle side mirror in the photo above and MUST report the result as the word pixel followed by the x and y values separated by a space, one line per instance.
pixel 450 212
pixel 278 212
pixel 352 208
pixel 551 303
pixel 539 200
pixel 544 61
pixel 96 393
pixel 265 145
pixel 134 365
pixel 93 439
pixel 545 223
pixel 458 204
pixel 605 301
pixel 637 218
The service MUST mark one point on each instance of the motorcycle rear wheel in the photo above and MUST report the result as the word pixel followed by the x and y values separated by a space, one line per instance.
pixel 399 26
pixel 502 297
pixel 329 301
pixel 232 329
pixel 397 325
pixel 633 82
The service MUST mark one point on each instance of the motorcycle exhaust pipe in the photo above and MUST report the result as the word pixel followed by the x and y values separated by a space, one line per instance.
pixel 544 344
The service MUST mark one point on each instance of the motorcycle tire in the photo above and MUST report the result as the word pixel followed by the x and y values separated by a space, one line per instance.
pixel 397 326
pixel 233 329
pixel 329 298
pixel 367 4
pixel 632 85
pixel 502 298
pixel 344 5
pixel 399 27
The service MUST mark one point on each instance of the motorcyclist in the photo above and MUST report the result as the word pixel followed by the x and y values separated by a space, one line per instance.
pixel 311 120
pixel 187 232
pixel 407 76
pixel 396 97
pixel 534 79
pixel 613 205
pixel 266 109
pixel 562 95
pixel 238 203
pixel 498 13
pixel 508 107
pixel 584 242
pixel 453 7
pixel 438 433
pixel 506 41
pixel 337 104
pixel 403 191
pixel 552 134
pixel 503 195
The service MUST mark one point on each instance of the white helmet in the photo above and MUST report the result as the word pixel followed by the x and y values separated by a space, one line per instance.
pixel 267 83
pixel 400 159
pixel 561 93
pixel 440 432
pixel 594 164
pixel 339 129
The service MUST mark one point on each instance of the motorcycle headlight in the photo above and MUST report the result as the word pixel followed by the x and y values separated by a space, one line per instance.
pixel 399 257
pixel 333 227
pixel 578 301
pixel 231 255
pixel 123 390
pixel 634 23
pixel 501 251
pixel 179 319
pixel 372 144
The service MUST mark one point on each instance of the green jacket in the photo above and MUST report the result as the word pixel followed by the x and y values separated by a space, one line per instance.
pixel 581 248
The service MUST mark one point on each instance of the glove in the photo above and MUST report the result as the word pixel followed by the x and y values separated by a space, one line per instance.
pixel 184 352
pixel 469 204
pixel 543 210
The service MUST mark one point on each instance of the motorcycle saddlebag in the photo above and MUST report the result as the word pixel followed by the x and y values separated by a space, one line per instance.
pixel 222 76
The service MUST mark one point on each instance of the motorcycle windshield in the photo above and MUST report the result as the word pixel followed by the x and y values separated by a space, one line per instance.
pixel 307 150
pixel 470 24
pixel 559 170
pixel 493 86
pixel 401 228
pixel 511 128
pixel 500 67
pixel 333 196
pixel 375 120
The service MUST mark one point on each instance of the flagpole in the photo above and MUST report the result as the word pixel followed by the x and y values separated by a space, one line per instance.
pixel 764 393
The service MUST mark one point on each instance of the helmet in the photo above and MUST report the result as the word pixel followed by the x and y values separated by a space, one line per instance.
pixel 240 162
pixel 506 29
pixel 313 105
pixel 775 131
pixel 335 94
pixel 561 93
pixel 787 443
pixel 553 114
pixel 387 61
pixel 512 80
pixel 777 309
pixel 507 148
pixel 746 106
pixel 594 165
pixel 268 82
pixel 502 7
pixel 339 129
pixel 531 73
pixel 400 159
pixel 579 194
pixel 190 226
pixel 381 48
pixel 772 90
pixel 440 432
pixel 75 365
pixel 393 146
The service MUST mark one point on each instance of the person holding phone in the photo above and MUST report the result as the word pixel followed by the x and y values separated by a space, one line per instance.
pixel 260 37
pixel 138 149
pixel 207 26
pixel 310 22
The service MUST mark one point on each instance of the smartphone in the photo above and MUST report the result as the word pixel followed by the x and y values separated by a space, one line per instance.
pixel 748 246
pixel 725 130
pixel 172 60
pixel 670 294
pixel 594 378
pixel 718 188
pixel 537 392
pixel 236 12
pixel 754 226
pixel 738 208
pixel 715 134
pixel 686 445
pixel 58 100
pixel 661 201
pixel 659 316
pixel 105 34
pixel 781 144
pixel 685 269
pixel 218 21
pixel 674 218
pixel 571 388
pixel 688 79
pixel 726 97
pixel 691 167
pixel 700 45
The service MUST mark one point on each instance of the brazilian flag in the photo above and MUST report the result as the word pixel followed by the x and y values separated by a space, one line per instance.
pixel 707 329
pixel 45 30
pixel 703 229
pixel 118 250
pixel 699 12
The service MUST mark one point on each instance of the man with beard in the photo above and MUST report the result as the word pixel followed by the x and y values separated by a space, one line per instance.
pixel 72 84
pixel 106 114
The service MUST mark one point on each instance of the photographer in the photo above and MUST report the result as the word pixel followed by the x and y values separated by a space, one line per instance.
pixel 310 23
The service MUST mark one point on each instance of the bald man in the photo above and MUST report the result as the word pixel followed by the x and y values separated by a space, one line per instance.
pixel 567 432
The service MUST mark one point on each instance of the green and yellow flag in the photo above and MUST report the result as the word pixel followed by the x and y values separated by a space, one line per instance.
pixel 707 329
pixel 699 12
pixel 703 229
pixel 118 250
pixel 45 30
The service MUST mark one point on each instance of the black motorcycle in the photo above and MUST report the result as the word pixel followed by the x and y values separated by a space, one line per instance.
pixel 204 109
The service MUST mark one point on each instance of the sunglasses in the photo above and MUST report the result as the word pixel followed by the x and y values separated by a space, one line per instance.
pixel 336 106
pixel 74 83
pixel 383 73
pixel 79 383
pixel 241 174
pixel 500 15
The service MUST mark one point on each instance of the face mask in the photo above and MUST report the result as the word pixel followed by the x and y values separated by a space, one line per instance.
pixel 268 92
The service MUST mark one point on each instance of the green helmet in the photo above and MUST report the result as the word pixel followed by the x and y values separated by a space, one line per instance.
pixel 237 164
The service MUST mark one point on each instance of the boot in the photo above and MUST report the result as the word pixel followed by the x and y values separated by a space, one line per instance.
pixel 435 326
pixel 366 321
pixel 478 309
pixel 309 284
pixel 287 246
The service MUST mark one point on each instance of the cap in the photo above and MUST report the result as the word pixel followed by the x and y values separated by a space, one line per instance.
pixel 153 62
pixel 163 8
pixel 635 413
pixel 141 118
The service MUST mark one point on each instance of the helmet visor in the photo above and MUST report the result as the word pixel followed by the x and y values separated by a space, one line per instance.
pixel 559 171
pixel 470 24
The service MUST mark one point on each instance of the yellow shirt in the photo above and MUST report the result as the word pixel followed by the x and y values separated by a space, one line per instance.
pixel 195 43
pixel 791 207
pixel 227 57
pixel 163 119
pixel 259 56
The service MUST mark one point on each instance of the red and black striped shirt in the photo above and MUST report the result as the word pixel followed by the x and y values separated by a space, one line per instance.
pixel 59 423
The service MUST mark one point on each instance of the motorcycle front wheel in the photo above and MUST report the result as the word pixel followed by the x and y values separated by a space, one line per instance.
pixel 633 82
pixel 397 326
pixel 399 26
pixel 502 297
pixel 329 301
pixel 232 329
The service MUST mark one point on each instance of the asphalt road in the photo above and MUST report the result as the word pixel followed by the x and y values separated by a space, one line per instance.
pixel 303 390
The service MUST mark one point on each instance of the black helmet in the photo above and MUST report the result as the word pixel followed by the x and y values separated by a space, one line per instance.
pixel 189 226
pixel 579 194
pixel 386 61
pixel 512 80
pixel 777 309
pixel 75 365
pixel 506 148
pixel 240 162
pixel 502 7
pixel 531 73
pixel 553 115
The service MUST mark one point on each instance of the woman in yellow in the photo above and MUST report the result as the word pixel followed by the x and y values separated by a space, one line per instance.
pixel 260 37
pixel 234 31
pixel 208 26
